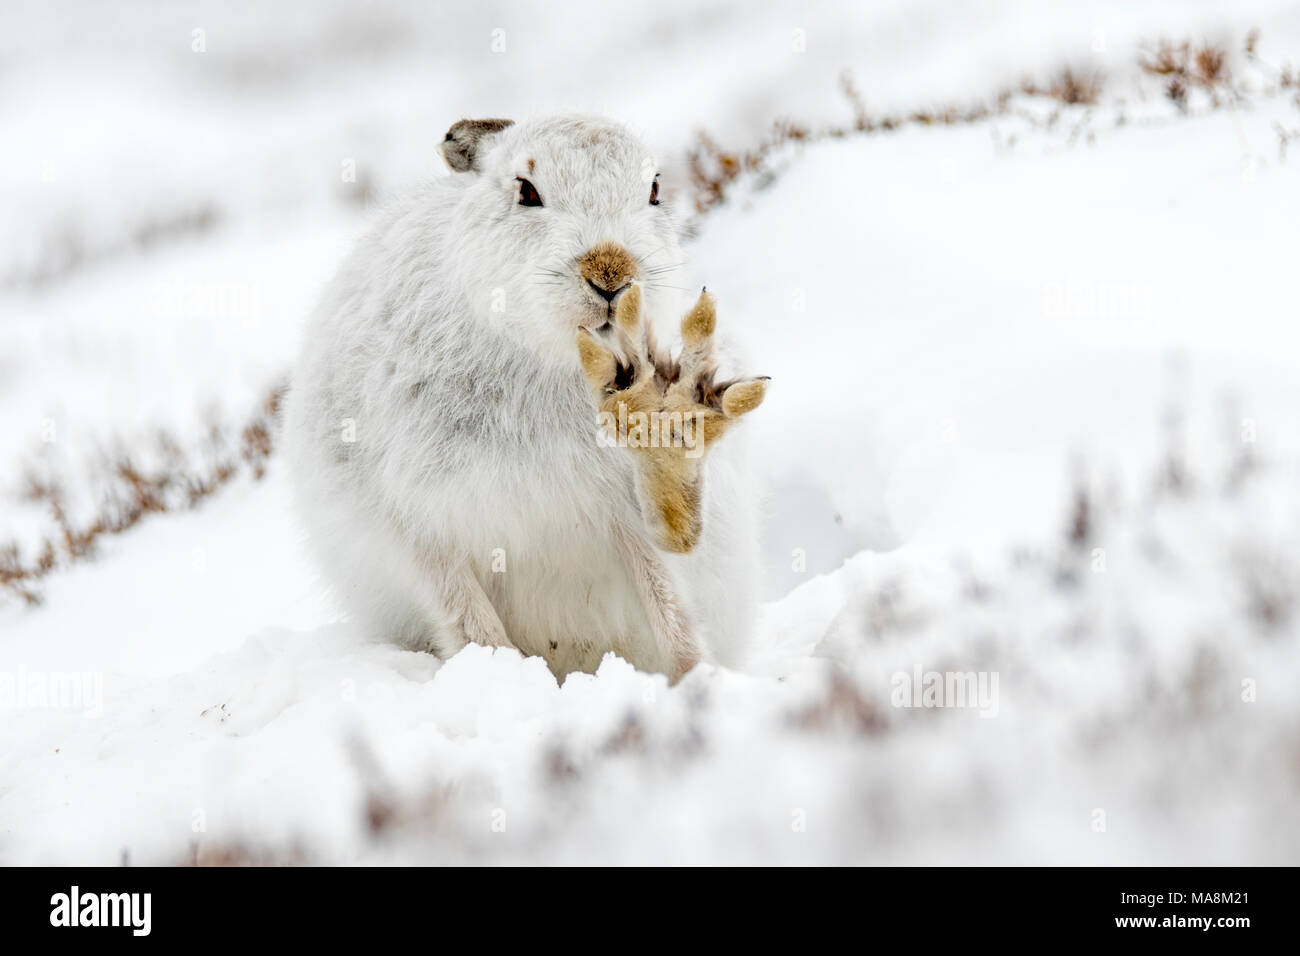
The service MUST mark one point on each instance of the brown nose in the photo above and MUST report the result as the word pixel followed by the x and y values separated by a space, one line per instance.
pixel 608 268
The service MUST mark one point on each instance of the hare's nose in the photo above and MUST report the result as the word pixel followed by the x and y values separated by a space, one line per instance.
pixel 609 295
pixel 608 268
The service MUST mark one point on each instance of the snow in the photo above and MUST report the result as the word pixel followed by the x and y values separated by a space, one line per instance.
pixel 966 325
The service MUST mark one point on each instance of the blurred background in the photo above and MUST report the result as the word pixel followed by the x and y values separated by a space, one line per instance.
pixel 1023 273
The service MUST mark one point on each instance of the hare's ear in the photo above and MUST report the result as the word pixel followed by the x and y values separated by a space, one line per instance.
pixel 463 145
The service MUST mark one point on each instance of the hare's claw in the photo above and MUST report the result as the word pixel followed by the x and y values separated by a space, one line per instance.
pixel 646 379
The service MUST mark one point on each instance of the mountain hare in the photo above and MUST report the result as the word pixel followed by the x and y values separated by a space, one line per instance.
pixel 487 443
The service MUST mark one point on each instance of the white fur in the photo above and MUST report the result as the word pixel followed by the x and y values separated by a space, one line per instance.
pixel 452 350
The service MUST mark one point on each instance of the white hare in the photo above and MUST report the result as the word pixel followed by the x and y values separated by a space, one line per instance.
pixel 463 424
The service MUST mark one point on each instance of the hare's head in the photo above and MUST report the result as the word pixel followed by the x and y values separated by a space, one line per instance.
pixel 559 216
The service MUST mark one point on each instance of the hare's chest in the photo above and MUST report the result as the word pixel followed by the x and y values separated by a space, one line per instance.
pixel 551 565
pixel 554 497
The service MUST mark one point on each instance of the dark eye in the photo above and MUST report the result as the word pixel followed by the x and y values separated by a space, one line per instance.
pixel 654 191
pixel 527 193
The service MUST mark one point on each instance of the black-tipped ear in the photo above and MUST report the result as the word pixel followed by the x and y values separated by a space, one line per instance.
pixel 462 146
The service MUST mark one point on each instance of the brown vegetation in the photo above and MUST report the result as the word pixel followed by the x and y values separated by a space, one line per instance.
pixel 1183 66
pixel 173 481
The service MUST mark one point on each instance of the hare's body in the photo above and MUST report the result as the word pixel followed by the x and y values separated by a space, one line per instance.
pixel 444 443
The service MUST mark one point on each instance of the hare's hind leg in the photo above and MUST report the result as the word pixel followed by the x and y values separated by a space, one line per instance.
pixel 409 593
pixel 676 645
pixel 465 614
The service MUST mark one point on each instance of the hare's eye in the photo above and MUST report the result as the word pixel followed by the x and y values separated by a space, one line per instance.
pixel 654 191
pixel 527 193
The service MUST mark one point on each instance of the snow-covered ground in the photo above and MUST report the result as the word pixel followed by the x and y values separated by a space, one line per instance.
pixel 1032 421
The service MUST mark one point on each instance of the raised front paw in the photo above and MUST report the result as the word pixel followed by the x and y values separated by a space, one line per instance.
pixel 668 410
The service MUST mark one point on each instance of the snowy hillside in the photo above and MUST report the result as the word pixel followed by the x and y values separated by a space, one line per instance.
pixel 1031 425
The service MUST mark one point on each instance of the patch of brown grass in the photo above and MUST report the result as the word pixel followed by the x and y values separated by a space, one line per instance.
pixel 714 169
pixel 173 482
pixel 1072 86
pixel 1186 66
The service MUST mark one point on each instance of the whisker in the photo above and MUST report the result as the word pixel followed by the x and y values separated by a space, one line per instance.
pixel 642 259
